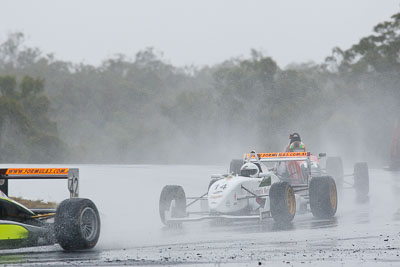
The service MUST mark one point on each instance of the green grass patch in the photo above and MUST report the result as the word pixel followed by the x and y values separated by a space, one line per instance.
pixel 37 204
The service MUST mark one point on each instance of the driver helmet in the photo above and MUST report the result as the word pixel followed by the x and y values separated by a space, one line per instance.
pixel 249 170
pixel 294 137
pixel 297 146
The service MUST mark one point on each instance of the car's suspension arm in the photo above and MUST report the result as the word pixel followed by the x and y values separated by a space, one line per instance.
pixel 196 199
pixel 259 199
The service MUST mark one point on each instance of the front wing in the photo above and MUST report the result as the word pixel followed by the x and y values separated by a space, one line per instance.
pixel 14 234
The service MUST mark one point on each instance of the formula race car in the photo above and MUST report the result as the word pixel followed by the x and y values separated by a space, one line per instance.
pixel 74 225
pixel 256 192
pixel 296 172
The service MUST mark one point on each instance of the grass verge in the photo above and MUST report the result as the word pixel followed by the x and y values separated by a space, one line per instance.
pixel 37 204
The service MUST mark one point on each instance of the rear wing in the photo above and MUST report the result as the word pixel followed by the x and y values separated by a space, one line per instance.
pixel 280 157
pixel 277 156
pixel 70 174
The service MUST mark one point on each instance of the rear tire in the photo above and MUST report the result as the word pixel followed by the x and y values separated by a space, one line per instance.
pixel 170 194
pixel 334 168
pixel 235 166
pixel 282 202
pixel 77 224
pixel 323 197
pixel 361 179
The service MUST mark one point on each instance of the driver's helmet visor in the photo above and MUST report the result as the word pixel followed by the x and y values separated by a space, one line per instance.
pixel 298 150
pixel 248 172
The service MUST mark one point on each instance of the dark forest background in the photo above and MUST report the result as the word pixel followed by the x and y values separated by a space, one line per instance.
pixel 145 110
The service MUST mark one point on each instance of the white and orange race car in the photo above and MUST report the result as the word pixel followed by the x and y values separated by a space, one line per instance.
pixel 256 192
pixel 296 172
pixel 74 225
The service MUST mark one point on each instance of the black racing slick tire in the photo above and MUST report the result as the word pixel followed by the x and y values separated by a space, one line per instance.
pixel 282 202
pixel 235 166
pixel 77 224
pixel 361 179
pixel 172 200
pixel 323 197
pixel 334 168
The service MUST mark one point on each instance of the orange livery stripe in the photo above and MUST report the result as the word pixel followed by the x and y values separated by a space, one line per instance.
pixel 37 171
pixel 280 155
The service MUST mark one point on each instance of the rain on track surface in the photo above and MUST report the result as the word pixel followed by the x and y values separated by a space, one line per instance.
pixel 365 234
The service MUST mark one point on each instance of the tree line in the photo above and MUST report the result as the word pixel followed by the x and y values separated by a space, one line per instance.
pixel 145 110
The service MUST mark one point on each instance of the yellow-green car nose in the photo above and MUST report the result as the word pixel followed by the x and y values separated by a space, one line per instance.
pixel 13 232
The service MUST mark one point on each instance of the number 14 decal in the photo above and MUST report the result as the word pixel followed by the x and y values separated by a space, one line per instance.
pixel 220 187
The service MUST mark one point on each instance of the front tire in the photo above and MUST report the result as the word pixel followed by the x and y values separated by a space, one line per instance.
pixel 323 197
pixel 173 201
pixel 77 224
pixel 282 202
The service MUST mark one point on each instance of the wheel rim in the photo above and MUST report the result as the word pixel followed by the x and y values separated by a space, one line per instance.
pixel 89 224
pixel 333 196
pixel 291 201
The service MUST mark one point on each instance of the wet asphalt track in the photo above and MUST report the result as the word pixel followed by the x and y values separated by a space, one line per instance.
pixel 361 234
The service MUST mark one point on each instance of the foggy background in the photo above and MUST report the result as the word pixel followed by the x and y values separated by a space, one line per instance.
pixel 193 32
pixel 234 78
